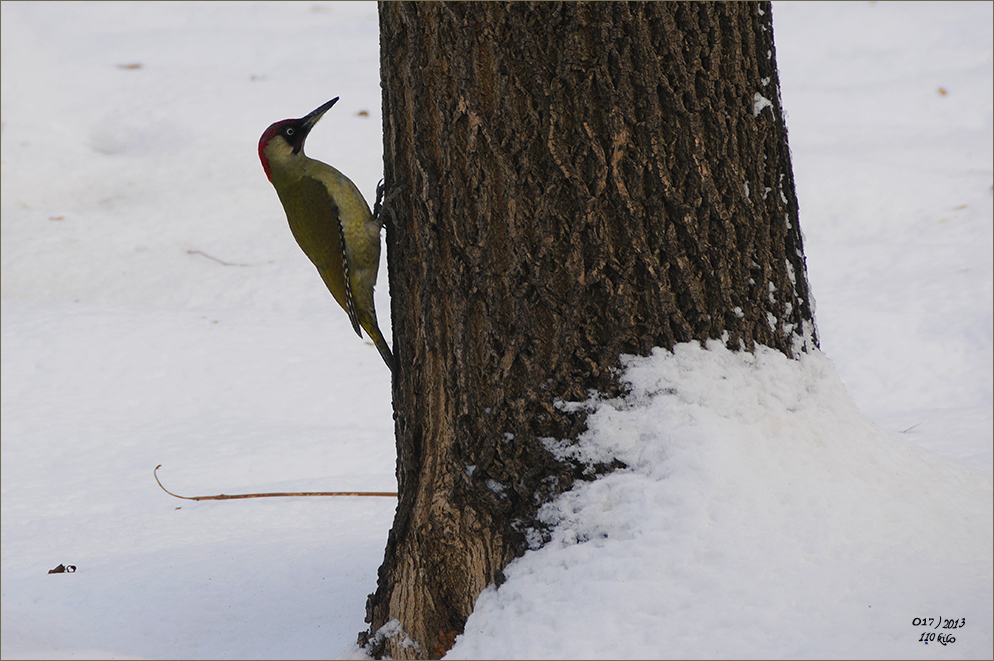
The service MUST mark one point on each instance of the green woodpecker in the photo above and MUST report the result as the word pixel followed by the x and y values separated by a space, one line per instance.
pixel 330 220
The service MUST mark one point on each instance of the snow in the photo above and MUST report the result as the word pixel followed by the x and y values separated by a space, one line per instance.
pixel 768 510
pixel 759 102
pixel 760 515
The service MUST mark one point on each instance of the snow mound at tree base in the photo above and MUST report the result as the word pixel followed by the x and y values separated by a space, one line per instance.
pixel 761 515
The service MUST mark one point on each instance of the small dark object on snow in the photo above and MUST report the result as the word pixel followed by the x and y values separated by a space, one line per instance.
pixel 63 569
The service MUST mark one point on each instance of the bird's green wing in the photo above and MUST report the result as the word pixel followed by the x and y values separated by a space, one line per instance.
pixel 350 308
pixel 316 223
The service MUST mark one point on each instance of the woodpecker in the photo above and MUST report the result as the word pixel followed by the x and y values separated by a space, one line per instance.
pixel 329 219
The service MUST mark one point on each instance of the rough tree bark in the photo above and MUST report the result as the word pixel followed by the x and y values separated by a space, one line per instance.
pixel 566 183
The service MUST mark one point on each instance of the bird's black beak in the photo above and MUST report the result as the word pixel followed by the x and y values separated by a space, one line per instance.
pixel 308 122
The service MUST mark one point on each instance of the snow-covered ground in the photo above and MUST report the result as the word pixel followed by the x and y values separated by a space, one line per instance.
pixel 763 514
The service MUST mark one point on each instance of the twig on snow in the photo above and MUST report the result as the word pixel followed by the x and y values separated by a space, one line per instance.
pixel 219 261
pixel 277 494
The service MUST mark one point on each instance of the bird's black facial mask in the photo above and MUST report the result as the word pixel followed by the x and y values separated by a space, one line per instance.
pixel 295 134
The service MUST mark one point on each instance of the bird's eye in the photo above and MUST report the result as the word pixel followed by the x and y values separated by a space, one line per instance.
pixel 289 130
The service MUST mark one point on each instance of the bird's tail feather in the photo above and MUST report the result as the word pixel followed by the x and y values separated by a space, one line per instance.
pixel 381 345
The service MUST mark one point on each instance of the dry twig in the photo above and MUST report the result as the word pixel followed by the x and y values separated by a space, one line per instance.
pixel 277 494
pixel 219 261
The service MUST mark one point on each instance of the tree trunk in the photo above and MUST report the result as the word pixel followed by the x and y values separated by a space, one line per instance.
pixel 566 183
